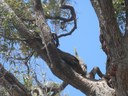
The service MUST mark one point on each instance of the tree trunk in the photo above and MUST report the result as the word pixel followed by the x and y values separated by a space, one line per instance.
pixel 114 45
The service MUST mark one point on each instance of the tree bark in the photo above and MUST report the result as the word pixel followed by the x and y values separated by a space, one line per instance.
pixel 64 65
pixel 114 44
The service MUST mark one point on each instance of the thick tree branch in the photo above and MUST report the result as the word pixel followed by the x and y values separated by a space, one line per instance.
pixel 110 36
pixel 112 45
pixel 19 25
pixel 14 87
pixel 109 28
pixel 64 20
pixel 72 18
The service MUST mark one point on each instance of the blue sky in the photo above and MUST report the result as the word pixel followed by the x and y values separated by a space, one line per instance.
pixel 86 40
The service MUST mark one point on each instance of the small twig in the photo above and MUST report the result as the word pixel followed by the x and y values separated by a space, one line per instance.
pixel 55 90
pixel 38 83
pixel 93 72
pixel 65 20
pixel 61 87
pixel 28 58
pixel 72 18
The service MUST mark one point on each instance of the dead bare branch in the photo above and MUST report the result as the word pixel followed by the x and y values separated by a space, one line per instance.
pixel 72 18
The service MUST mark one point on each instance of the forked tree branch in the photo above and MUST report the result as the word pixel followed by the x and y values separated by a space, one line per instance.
pixel 72 18
pixel 64 20
pixel 94 71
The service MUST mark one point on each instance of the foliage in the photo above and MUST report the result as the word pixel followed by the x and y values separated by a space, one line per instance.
pixel 3 91
pixel 119 6
pixel 12 44
pixel 13 49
